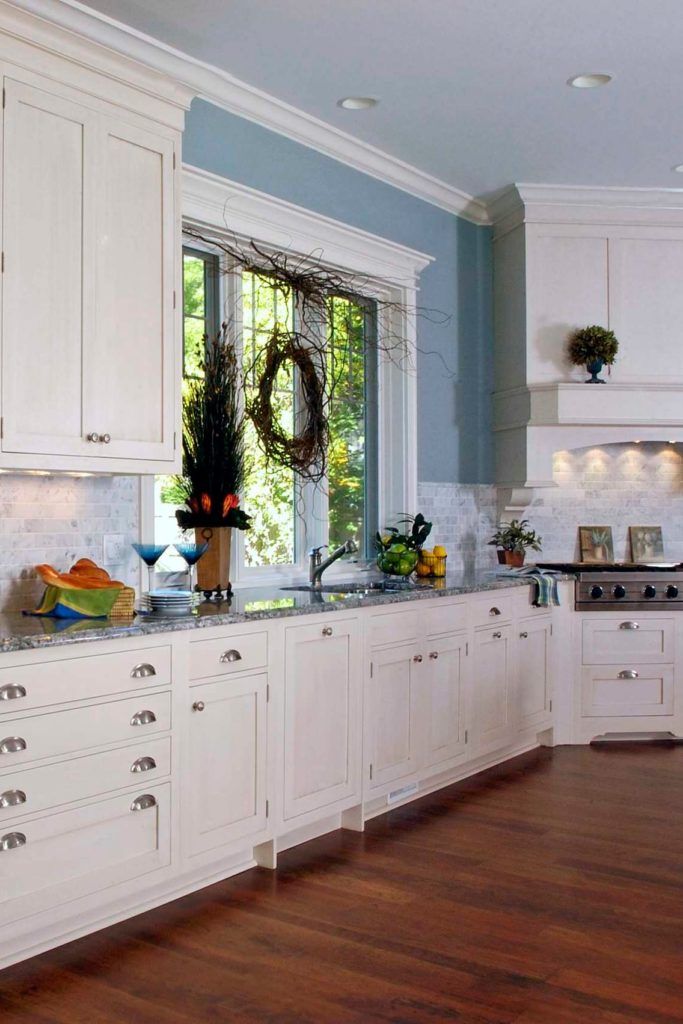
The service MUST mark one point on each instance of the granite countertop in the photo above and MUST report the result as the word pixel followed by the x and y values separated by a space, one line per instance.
pixel 26 632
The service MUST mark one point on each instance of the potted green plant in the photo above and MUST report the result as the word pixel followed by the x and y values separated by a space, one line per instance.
pixel 513 540
pixel 593 347
pixel 398 549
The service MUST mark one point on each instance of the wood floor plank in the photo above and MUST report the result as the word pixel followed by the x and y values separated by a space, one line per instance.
pixel 545 891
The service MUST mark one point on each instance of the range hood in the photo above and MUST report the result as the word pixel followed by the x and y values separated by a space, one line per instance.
pixel 565 258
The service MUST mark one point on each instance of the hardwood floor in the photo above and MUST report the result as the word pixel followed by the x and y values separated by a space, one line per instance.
pixel 547 891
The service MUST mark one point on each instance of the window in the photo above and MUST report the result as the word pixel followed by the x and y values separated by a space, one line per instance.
pixel 289 515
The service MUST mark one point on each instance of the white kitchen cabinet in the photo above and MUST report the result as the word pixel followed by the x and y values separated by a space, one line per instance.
pixel 322 707
pixel 533 701
pixel 393 710
pixel 89 330
pixel 225 793
pixel 642 692
pixel 492 689
pixel 446 735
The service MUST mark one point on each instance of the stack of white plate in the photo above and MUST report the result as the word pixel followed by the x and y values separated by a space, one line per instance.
pixel 169 602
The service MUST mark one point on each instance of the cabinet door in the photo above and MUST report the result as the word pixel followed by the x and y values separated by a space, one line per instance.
pixel 492 697
pixel 322 748
pixel 226 791
pixel 446 701
pixel 393 708
pixel 533 675
pixel 129 360
pixel 48 250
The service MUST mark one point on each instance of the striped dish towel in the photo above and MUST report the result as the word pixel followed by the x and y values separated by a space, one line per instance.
pixel 545 580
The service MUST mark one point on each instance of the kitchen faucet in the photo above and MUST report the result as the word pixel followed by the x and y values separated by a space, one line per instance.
pixel 316 566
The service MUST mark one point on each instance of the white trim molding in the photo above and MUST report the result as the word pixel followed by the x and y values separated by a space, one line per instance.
pixel 237 97
pixel 228 206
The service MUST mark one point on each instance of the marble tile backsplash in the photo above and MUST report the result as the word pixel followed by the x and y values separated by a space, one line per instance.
pixel 464 517
pixel 58 519
pixel 619 485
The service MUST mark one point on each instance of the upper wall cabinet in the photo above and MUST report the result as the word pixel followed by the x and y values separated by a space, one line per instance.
pixel 91 341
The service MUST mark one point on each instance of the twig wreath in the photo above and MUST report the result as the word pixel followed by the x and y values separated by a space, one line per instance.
pixel 304 451
pixel 314 285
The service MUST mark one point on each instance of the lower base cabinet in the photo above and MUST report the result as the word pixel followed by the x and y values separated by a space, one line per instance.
pixel 492 689
pixel 322 711
pixel 447 680
pixel 227 761
pixel 534 703
pixel 393 708
pixel 56 858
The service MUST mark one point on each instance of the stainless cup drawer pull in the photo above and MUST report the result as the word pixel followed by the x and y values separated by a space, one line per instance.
pixel 629 625
pixel 143 764
pixel 12 798
pixel 12 841
pixel 143 671
pixel 10 691
pixel 144 802
pixel 12 745
pixel 494 611
pixel 230 656
pixel 143 718
pixel 628 673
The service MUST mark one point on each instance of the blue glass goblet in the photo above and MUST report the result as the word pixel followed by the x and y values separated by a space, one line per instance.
pixel 150 555
pixel 191 553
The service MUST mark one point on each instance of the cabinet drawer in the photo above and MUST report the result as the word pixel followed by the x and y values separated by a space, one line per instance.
pixel 238 653
pixel 631 639
pixel 447 619
pixel 493 609
pixel 617 692
pixel 59 857
pixel 56 682
pixel 28 790
pixel 64 732
pixel 394 627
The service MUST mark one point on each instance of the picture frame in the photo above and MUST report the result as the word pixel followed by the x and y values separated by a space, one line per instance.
pixel 647 543
pixel 596 544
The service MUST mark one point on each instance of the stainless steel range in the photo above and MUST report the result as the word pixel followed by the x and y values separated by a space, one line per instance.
pixel 624 585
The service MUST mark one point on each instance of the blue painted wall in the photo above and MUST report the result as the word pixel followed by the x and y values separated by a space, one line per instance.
pixel 454 364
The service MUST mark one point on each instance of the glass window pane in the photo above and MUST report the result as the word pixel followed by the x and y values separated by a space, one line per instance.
pixel 193 346
pixel 269 494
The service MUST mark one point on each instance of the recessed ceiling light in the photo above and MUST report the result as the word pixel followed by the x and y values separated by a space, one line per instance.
pixel 357 102
pixel 590 80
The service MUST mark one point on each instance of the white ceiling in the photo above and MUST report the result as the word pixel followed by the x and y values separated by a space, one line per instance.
pixel 472 91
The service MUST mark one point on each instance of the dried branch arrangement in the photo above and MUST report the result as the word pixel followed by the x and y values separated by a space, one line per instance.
pixel 313 285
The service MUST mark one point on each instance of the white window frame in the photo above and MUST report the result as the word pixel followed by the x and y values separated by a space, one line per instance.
pixel 389 272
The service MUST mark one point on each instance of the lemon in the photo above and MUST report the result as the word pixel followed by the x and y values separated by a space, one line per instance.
pixel 440 551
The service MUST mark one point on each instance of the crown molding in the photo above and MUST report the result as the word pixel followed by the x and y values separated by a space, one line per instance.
pixel 577 204
pixel 237 97
pixel 220 205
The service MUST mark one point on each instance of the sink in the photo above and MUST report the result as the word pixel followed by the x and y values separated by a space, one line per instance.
pixel 366 587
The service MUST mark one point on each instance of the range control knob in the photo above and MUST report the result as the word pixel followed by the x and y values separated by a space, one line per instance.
pixel 649 591
pixel 619 591
pixel 671 591
pixel 596 592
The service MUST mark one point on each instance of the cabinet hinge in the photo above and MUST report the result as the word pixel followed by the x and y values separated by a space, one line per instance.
pixel 550 706
pixel 4 97
pixel 174 299
pixel 267 692
pixel 2 426
pixel 466 735
pixel 175 440
pixel 372 669
pixel 174 164
pixel 2 263
pixel 267 808
pixel 467 649
pixel 551 629
pixel 370 772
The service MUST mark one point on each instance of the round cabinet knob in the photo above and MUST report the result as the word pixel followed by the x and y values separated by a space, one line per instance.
pixel 198 705
pixel 671 591
pixel 649 591
pixel 327 631
pixel 417 658
pixel 596 592
pixel 105 438
pixel 433 655
pixel 94 437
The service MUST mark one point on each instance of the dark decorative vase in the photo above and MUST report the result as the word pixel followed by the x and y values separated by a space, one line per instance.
pixel 594 366
pixel 512 558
